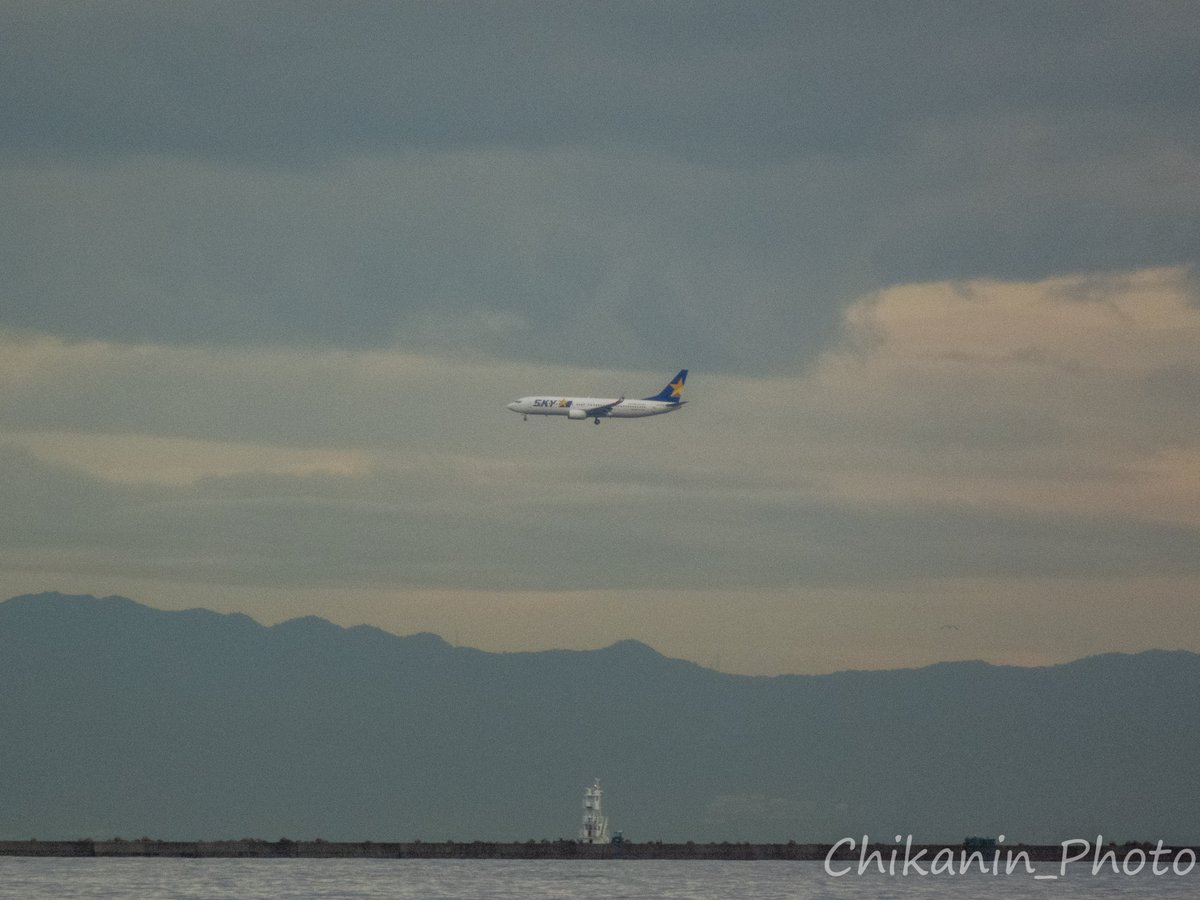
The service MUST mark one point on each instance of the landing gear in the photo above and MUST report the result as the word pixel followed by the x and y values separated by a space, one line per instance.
pixel 595 421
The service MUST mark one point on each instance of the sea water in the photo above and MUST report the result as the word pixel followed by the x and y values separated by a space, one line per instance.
pixel 400 879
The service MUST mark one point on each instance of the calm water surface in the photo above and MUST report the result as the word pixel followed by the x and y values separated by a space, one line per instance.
pixel 176 879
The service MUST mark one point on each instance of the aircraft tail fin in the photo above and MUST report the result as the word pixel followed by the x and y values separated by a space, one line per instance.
pixel 674 389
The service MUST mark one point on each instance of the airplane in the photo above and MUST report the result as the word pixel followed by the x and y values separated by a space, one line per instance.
pixel 597 408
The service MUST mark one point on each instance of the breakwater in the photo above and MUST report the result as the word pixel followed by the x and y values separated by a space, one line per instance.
pixel 545 849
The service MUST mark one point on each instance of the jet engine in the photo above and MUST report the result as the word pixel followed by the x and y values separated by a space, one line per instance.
pixel 577 414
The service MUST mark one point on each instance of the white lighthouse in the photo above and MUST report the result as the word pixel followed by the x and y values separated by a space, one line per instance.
pixel 595 826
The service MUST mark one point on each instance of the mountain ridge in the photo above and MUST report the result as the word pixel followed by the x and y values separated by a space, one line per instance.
pixel 124 719
pixel 302 624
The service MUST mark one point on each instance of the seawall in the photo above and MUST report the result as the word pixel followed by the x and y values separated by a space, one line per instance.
pixel 560 849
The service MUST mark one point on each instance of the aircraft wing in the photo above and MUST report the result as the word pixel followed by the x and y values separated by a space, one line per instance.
pixel 603 410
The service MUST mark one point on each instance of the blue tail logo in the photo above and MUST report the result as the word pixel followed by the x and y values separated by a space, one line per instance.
pixel 674 389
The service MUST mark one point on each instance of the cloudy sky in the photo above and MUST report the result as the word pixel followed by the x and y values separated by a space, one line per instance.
pixel 269 273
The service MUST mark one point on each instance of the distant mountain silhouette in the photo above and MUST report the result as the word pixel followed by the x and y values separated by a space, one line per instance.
pixel 120 719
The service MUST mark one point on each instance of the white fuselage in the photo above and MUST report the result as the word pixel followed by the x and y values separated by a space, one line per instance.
pixel 581 407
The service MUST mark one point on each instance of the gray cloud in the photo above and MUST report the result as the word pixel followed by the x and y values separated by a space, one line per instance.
pixel 430 528
pixel 703 80
pixel 603 185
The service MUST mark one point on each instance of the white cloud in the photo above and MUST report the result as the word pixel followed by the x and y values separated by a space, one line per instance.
pixel 1053 396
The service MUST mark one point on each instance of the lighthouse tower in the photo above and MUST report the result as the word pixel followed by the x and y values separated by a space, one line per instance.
pixel 595 826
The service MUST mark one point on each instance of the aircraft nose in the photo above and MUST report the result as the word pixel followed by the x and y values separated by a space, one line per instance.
pixel 512 406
